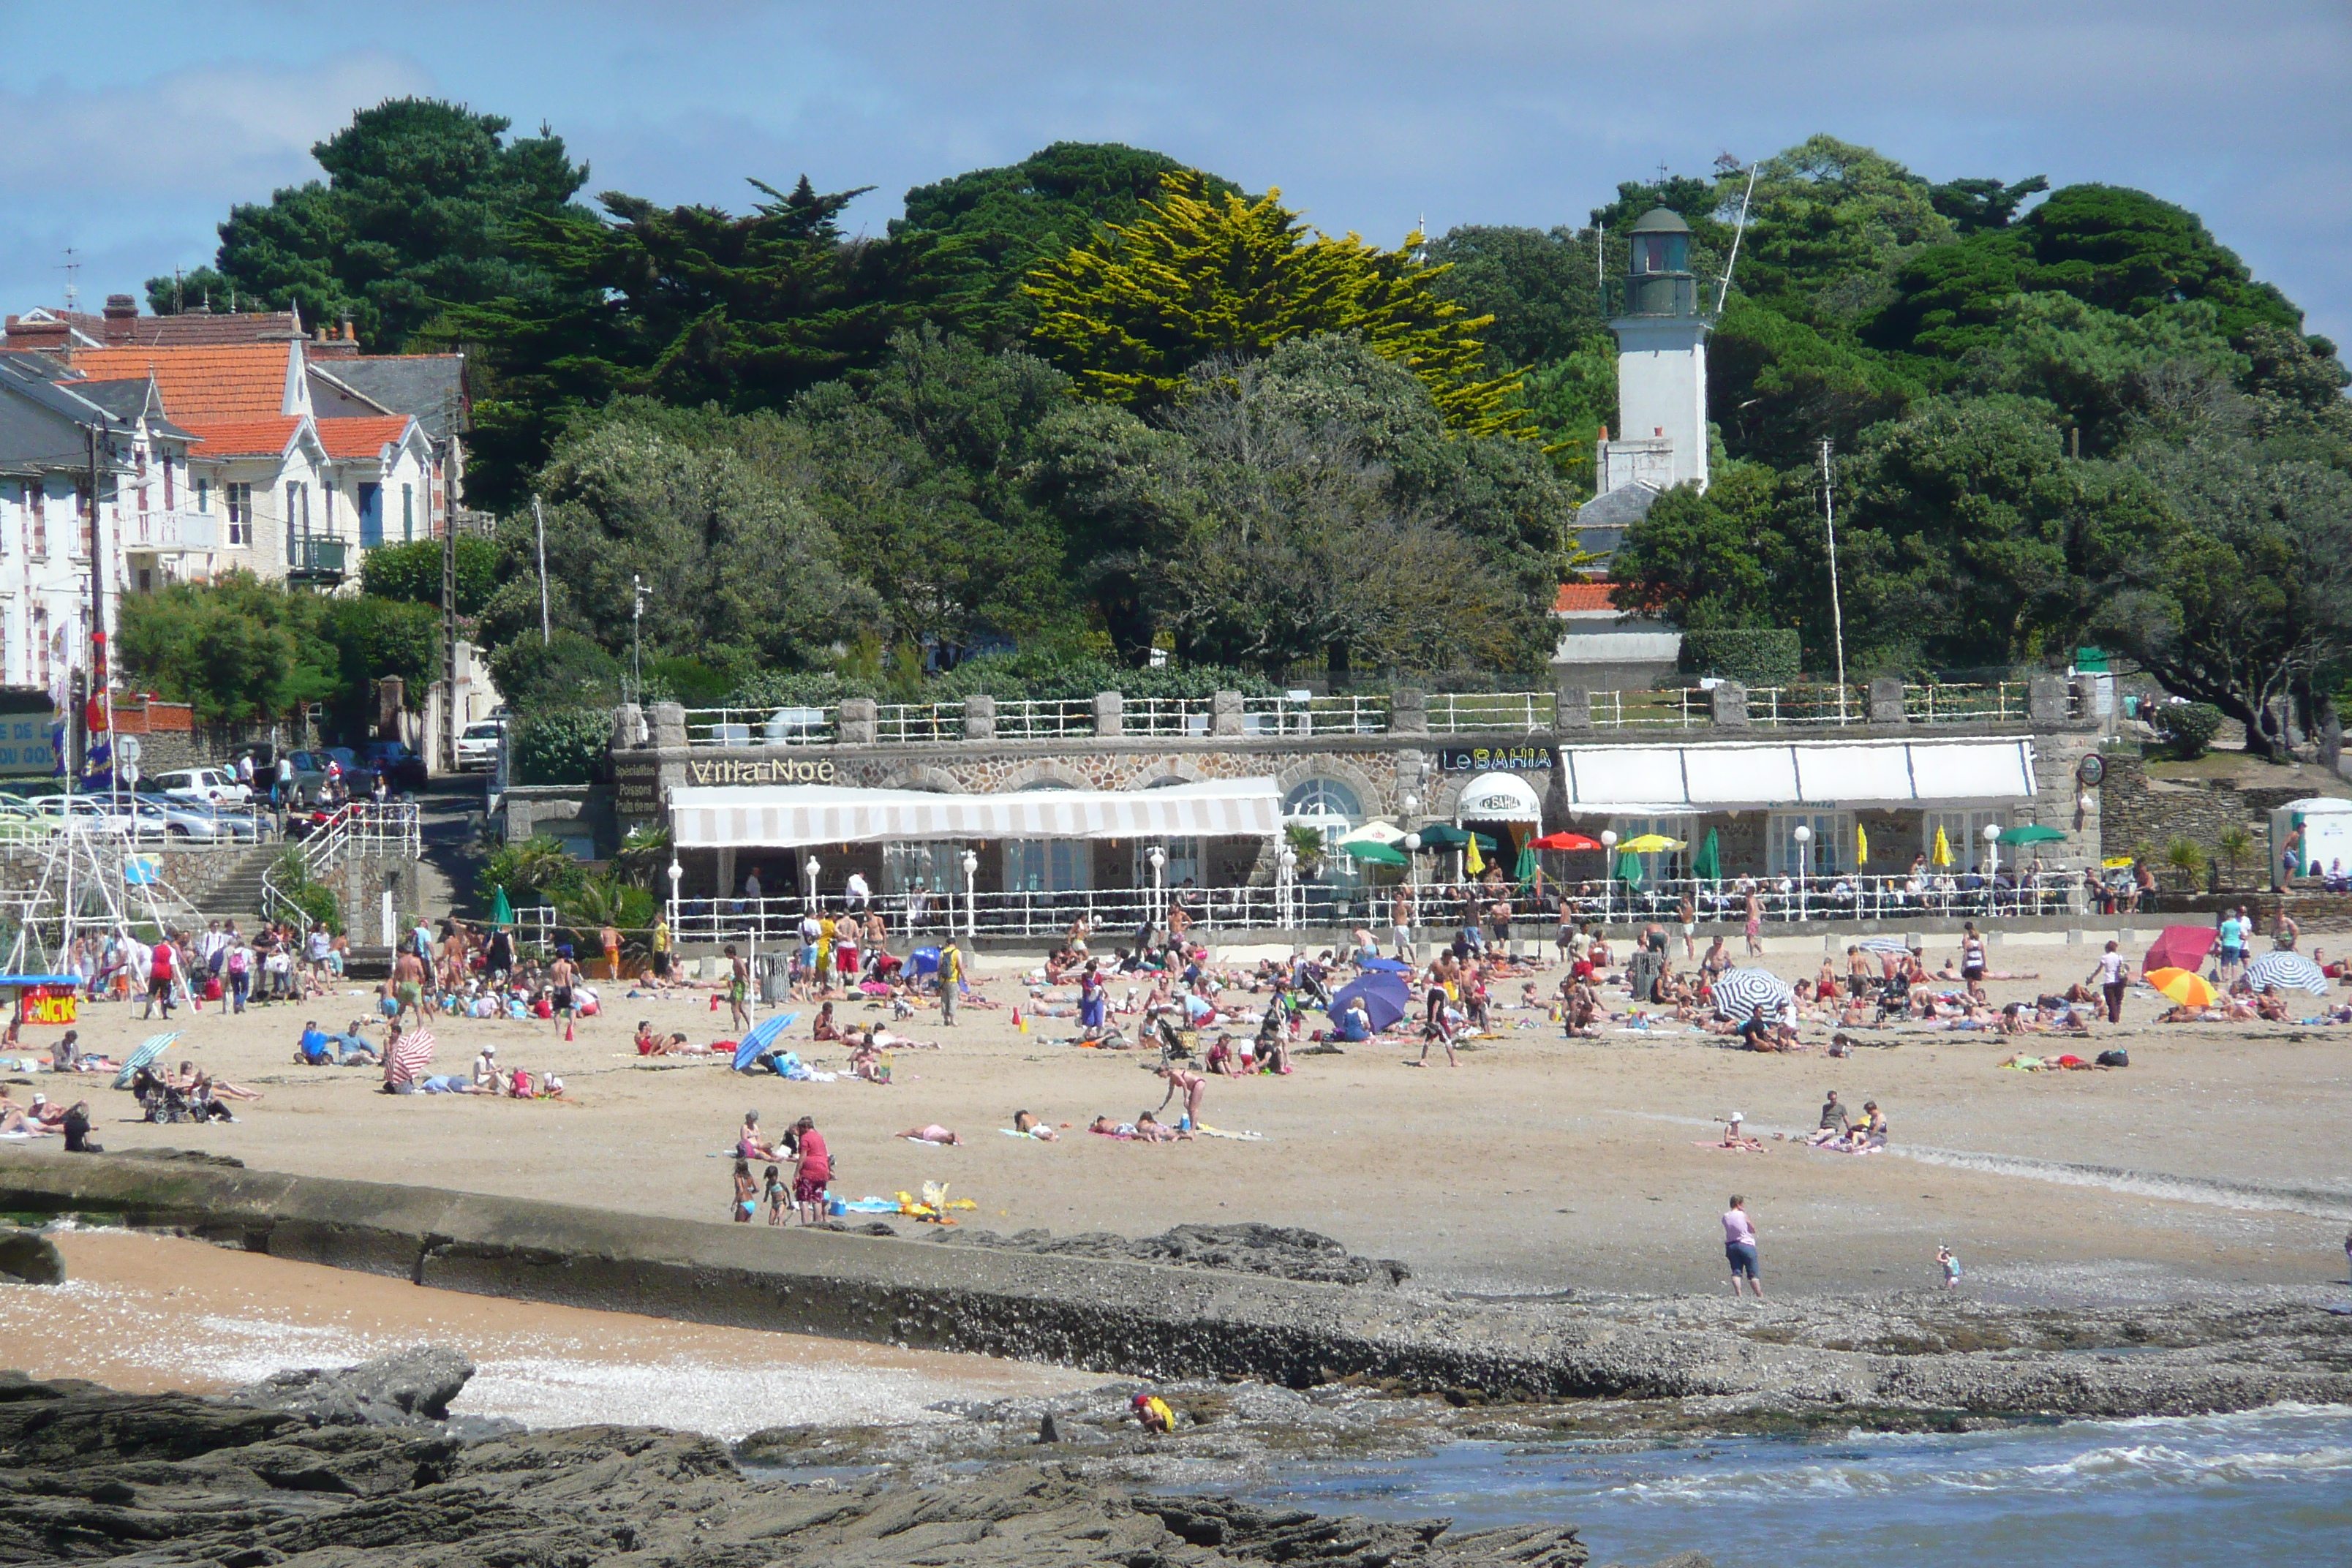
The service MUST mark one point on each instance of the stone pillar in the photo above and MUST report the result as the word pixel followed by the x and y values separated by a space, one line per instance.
pixel 1226 713
pixel 859 721
pixel 1728 706
pixel 1571 711
pixel 670 725
pixel 628 727
pixel 1407 712
pixel 390 697
pixel 2046 701
pixel 979 717
pixel 1886 699
pixel 1110 714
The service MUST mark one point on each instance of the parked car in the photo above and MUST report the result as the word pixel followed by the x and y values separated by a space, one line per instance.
pixel 217 786
pixel 403 768
pixel 98 813
pixel 477 746
pixel 180 819
pixel 311 771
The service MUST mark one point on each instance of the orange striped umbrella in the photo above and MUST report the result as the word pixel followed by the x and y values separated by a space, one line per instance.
pixel 2185 986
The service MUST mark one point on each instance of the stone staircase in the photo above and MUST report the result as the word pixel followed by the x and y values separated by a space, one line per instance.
pixel 237 894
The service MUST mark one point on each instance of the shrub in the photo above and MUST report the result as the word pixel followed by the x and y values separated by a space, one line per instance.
pixel 292 877
pixel 1766 656
pixel 2189 726
pixel 560 745
pixel 2186 857
pixel 536 871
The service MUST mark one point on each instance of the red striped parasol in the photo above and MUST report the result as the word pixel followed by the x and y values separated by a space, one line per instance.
pixel 410 1056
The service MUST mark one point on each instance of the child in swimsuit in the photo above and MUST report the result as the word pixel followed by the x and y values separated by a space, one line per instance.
pixel 747 1197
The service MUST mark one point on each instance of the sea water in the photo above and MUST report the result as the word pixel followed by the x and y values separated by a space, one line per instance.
pixel 2268 1486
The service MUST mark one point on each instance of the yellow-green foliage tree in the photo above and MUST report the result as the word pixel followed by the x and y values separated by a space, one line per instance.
pixel 1131 310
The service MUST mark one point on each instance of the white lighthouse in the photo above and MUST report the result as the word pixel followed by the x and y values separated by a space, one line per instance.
pixel 1660 440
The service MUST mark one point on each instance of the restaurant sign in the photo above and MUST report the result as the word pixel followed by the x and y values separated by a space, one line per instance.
pixel 780 771
pixel 1496 759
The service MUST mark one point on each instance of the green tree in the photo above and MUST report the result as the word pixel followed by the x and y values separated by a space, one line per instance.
pixel 235 649
pixel 1131 311
pixel 993 227
pixel 416 213
pixel 689 305
pixel 413 572
pixel 1539 288
pixel 1829 225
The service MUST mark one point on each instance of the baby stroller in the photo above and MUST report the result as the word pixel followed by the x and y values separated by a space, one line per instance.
pixel 165 1103
pixel 1893 998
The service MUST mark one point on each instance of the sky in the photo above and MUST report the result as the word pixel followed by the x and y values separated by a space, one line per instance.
pixel 130 129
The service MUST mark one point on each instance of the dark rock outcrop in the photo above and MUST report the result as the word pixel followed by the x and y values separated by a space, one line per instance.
pixel 31 1257
pixel 1280 1252
pixel 409 1388
pixel 86 1474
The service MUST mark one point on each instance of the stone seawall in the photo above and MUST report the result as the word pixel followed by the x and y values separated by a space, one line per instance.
pixel 1160 1322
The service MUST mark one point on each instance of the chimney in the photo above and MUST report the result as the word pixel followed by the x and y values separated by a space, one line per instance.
pixel 349 335
pixel 121 310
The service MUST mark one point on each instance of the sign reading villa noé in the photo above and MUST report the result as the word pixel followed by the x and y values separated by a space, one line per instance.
pixel 779 771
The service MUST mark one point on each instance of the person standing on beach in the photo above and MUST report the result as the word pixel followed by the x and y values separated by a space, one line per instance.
pixel 2113 981
pixel 738 987
pixel 1755 922
pixel 950 979
pixel 1740 1247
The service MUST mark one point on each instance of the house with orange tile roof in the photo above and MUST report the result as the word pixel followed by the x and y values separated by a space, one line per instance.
pixel 1604 648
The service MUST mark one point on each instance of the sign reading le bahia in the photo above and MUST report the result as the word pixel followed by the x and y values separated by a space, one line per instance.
pixel 1494 759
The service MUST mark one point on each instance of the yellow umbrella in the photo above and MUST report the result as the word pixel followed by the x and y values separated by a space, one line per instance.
pixel 2185 986
pixel 1943 852
pixel 2115 862
pixel 1472 861
pixel 1861 845
pixel 1649 843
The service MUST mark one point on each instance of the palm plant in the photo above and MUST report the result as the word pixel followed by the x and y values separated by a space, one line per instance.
pixel 2184 856
pixel 2235 844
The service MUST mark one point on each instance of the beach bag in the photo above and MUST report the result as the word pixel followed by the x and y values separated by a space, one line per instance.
pixel 2115 1058
pixel 213 989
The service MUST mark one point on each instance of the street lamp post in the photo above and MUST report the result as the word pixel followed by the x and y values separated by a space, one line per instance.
pixel 1608 868
pixel 970 894
pixel 1992 866
pixel 676 874
pixel 809 869
pixel 1286 863
pixel 1159 911
pixel 1412 879
pixel 1804 838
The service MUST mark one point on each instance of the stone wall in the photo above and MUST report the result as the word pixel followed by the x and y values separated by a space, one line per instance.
pixel 2145 814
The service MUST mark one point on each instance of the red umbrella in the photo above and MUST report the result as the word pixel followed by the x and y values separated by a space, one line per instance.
pixel 2180 947
pixel 1566 841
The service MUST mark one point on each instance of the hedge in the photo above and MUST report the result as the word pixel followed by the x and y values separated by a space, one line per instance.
pixel 2189 726
pixel 560 745
pixel 1761 656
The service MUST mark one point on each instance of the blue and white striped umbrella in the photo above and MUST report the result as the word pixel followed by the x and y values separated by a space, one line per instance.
pixel 1741 991
pixel 153 1046
pixel 2288 971
pixel 1894 944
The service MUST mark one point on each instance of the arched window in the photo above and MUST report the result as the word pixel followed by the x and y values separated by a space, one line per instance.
pixel 1323 798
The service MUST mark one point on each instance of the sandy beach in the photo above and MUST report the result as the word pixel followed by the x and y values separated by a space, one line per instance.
pixel 1538 1164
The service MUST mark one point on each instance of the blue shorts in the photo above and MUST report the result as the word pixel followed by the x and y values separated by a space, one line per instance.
pixel 1743 1258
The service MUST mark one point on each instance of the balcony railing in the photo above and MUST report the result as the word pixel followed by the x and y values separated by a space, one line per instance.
pixel 318 560
pixel 172 532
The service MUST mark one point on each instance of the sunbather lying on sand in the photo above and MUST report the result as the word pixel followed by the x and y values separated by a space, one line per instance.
pixel 931 1134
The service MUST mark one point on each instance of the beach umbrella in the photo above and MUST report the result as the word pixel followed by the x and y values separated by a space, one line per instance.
pixel 1386 966
pixel 1629 867
pixel 409 1057
pixel 1566 841
pixel 2033 832
pixel 2180 947
pixel 2115 862
pixel 1378 853
pixel 151 1047
pixel 1861 843
pixel 1709 863
pixel 1385 996
pixel 1942 854
pixel 761 1039
pixel 1740 992
pixel 1527 869
pixel 1651 843
pixel 501 911
pixel 1883 945
pixel 1472 861
pixel 2288 971
pixel 2185 986
pixel 923 961
pixel 1372 833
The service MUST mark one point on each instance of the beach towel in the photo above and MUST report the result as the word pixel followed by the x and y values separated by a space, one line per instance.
pixel 1207 1131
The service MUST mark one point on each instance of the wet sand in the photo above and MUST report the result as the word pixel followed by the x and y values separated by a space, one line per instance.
pixel 146 1313
pixel 1538 1164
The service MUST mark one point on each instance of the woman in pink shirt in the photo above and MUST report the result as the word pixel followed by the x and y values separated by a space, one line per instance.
pixel 1739 1246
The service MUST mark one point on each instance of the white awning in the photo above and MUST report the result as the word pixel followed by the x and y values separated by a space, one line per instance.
pixel 1498 798
pixel 783 816
pixel 1658 780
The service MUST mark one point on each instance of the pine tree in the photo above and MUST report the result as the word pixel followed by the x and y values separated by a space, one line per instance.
pixel 1131 311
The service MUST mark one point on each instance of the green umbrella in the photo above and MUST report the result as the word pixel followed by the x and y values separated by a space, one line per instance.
pixel 1444 836
pixel 1525 871
pixel 1629 867
pixel 1379 854
pixel 501 911
pixel 2032 835
pixel 1709 861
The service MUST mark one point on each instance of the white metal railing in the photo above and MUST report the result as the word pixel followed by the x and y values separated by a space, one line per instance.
pixel 1776 705
pixel 1940 704
pixel 1683 708
pixel 907 723
pixel 363 826
pixel 1046 719
pixel 1342 715
pixel 1166 715
pixel 761 726
pixel 1522 713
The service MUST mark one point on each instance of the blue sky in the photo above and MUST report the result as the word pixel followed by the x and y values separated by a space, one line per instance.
pixel 130 128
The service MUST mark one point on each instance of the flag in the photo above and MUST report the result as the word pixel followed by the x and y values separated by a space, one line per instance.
pixel 409 1057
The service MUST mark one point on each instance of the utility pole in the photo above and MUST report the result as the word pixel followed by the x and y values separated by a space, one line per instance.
pixel 450 720
pixel 1837 604
pixel 539 521
pixel 637 637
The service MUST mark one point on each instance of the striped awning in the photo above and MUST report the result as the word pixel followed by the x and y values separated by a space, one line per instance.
pixel 1665 780
pixel 783 816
